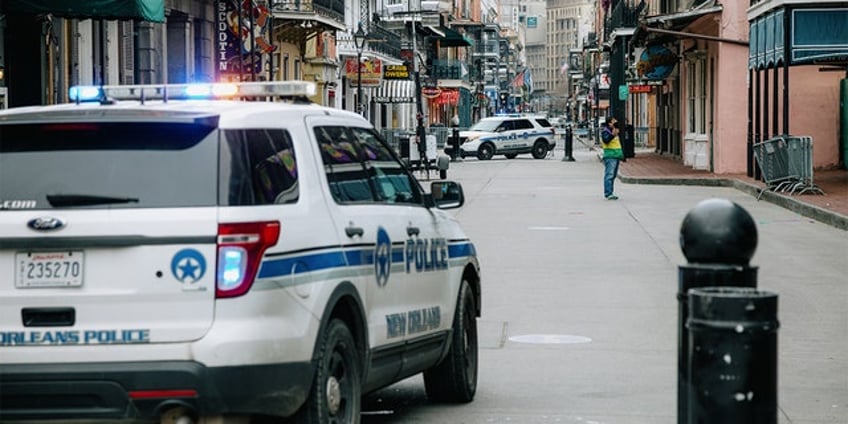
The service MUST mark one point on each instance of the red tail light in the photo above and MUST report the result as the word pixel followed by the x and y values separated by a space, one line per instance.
pixel 240 250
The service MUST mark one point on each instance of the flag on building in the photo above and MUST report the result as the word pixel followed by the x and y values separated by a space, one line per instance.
pixel 518 81
pixel 564 68
pixel 528 80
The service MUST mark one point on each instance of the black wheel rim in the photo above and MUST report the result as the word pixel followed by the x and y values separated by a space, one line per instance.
pixel 485 152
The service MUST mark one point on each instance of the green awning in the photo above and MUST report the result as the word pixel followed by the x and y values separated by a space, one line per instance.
pixel 453 38
pixel 145 10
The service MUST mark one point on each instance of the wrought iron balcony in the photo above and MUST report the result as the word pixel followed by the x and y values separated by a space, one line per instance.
pixel 447 69
pixel 623 15
pixel 333 9
pixel 383 40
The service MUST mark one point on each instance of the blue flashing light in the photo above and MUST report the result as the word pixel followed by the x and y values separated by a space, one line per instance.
pixel 82 93
pixel 231 267
pixel 198 91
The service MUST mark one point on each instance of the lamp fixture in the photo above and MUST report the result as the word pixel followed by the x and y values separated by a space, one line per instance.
pixel 359 39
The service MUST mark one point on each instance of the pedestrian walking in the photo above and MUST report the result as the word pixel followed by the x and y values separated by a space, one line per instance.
pixel 612 156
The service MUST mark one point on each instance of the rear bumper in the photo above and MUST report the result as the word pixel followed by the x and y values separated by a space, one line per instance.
pixel 144 390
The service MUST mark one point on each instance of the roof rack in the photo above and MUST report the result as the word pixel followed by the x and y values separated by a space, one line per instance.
pixel 288 90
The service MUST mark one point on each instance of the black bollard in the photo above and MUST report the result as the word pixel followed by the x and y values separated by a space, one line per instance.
pixel 733 356
pixel 718 238
pixel 455 144
pixel 569 141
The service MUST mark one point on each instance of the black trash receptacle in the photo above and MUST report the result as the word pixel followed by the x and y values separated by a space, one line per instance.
pixel 403 142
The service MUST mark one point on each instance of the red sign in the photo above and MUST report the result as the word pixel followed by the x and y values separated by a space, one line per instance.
pixel 447 96
pixel 640 88
pixel 431 92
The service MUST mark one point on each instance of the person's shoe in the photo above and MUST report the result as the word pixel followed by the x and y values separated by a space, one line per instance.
pixel 612 197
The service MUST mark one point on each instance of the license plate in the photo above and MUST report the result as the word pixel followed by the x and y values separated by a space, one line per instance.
pixel 49 269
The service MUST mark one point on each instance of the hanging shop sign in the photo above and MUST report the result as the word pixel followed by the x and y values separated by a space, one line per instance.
pixel 370 69
pixel 396 72
pixel 656 63
pixel 243 31
pixel 431 92
pixel 640 88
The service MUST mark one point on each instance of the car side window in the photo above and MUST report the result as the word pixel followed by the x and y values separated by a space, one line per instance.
pixel 390 179
pixel 522 124
pixel 258 167
pixel 344 165
pixel 505 126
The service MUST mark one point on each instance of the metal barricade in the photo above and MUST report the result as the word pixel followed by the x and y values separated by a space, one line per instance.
pixel 786 163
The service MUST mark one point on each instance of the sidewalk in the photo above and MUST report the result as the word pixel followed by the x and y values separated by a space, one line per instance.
pixel 831 208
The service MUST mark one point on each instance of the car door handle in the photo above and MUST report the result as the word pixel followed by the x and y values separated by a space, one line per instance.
pixel 412 231
pixel 354 231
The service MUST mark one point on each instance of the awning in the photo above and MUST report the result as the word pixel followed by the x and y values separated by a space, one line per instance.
pixel 395 91
pixel 452 38
pixel 145 10
pixel 677 21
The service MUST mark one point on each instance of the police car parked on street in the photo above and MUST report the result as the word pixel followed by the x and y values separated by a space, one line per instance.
pixel 169 256
pixel 509 135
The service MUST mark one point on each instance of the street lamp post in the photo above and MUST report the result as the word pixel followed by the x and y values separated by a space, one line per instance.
pixel 359 40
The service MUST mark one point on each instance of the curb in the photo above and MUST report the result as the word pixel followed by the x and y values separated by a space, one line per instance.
pixel 824 216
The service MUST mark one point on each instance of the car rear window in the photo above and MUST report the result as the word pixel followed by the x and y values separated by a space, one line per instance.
pixel 107 165
pixel 544 122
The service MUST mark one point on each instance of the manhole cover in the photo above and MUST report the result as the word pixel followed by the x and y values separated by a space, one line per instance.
pixel 549 339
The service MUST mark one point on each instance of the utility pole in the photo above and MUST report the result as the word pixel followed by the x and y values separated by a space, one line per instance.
pixel 419 128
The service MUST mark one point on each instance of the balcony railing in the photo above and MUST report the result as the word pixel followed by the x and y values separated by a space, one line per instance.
pixel 385 41
pixel 623 15
pixel 446 69
pixel 333 9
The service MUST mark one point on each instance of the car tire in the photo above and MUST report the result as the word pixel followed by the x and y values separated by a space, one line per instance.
pixel 455 378
pixel 485 151
pixel 511 155
pixel 337 386
pixel 540 149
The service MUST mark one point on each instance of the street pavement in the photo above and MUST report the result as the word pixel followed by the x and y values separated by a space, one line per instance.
pixel 579 300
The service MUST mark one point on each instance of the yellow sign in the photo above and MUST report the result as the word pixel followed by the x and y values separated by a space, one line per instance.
pixel 396 72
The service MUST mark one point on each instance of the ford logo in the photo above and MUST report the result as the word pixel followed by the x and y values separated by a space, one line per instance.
pixel 46 223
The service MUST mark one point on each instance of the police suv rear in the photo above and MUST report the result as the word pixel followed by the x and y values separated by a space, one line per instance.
pixel 168 255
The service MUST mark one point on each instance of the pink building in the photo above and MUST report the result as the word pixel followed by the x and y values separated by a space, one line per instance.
pixel 733 85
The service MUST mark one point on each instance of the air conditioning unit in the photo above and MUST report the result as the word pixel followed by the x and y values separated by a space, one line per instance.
pixel 391 9
pixel 430 6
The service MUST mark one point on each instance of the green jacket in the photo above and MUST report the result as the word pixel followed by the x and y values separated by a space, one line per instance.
pixel 611 145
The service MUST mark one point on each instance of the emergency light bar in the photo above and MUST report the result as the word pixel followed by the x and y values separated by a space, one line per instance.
pixel 196 91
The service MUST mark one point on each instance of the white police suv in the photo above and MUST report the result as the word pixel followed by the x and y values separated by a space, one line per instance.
pixel 169 257
pixel 508 135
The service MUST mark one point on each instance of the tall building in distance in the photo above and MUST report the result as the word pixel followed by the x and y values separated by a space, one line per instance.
pixel 568 24
pixel 534 20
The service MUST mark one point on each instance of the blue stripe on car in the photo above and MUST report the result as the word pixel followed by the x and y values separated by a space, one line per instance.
pixel 342 258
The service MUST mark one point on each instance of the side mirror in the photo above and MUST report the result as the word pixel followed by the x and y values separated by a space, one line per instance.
pixel 447 194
